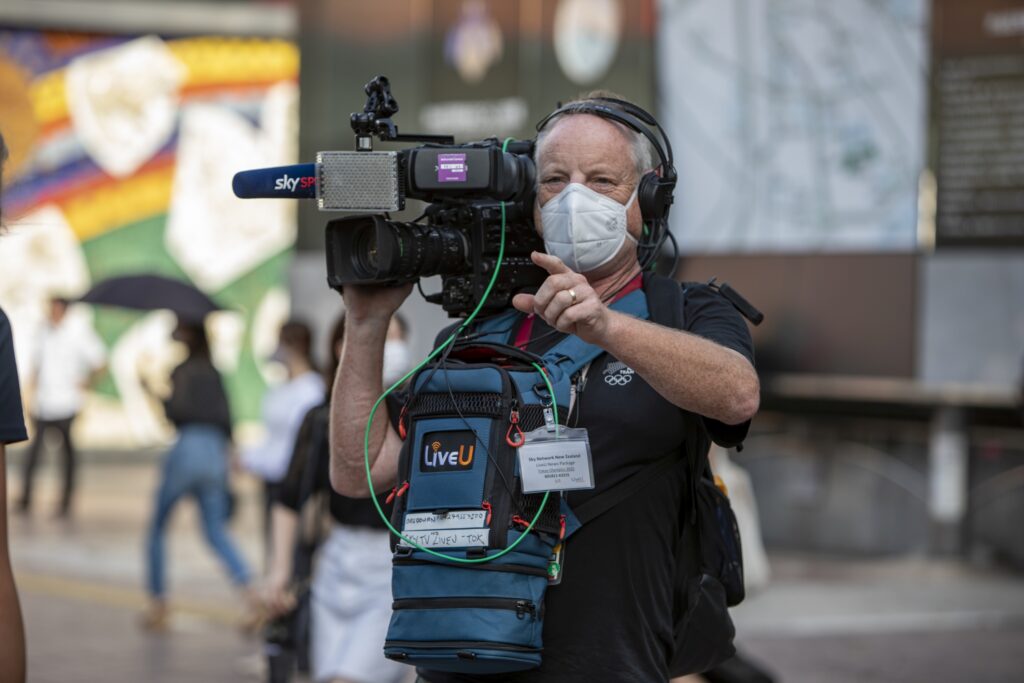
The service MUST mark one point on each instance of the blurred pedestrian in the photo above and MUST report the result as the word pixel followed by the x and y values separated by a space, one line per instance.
pixel 350 603
pixel 12 430
pixel 68 359
pixel 283 409
pixel 197 466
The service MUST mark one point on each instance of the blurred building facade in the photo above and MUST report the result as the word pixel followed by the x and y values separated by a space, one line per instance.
pixel 126 122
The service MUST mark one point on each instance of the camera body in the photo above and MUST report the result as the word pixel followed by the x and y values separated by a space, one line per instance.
pixel 475 192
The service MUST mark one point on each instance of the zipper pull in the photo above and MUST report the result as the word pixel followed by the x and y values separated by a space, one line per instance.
pixel 514 437
pixel 561 527
pixel 487 506
pixel 402 432
pixel 519 521
pixel 402 489
pixel 391 496
pixel 524 607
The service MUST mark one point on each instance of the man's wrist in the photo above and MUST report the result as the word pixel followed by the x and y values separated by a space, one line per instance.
pixel 367 322
pixel 608 331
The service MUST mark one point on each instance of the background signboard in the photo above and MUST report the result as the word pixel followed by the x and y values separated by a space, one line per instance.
pixel 799 126
pixel 978 109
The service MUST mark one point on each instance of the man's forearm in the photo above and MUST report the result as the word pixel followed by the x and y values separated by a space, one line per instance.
pixel 356 387
pixel 692 372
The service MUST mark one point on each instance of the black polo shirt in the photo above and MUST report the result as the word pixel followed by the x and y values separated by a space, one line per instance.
pixel 611 618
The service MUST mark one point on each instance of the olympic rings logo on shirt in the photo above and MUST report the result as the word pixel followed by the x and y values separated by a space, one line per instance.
pixel 618 380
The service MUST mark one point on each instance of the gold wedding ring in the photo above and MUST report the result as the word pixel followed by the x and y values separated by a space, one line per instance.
pixel 572 293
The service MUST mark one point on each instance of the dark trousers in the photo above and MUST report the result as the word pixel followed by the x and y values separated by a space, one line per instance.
pixel 68 461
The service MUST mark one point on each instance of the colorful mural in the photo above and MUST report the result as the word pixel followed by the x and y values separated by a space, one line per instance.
pixel 122 152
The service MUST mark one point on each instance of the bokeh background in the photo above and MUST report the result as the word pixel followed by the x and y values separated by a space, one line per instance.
pixel 855 169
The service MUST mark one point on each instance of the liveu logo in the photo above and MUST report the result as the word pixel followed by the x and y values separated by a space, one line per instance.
pixel 449 452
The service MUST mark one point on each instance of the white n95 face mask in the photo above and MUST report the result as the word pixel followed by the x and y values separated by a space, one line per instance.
pixel 584 228
pixel 396 361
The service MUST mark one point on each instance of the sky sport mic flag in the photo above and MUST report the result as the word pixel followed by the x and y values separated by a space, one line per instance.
pixel 297 181
pixel 339 181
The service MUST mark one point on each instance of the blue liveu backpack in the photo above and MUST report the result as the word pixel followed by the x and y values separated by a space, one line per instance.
pixel 460 495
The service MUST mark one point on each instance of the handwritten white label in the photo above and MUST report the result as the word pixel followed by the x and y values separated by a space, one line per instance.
pixel 449 538
pixel 456 519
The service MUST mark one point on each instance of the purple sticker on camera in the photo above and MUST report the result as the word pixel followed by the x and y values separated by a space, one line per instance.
pixel 451 168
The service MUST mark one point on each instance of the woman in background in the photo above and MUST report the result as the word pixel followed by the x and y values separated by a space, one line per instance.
pixel 350 603
pixel 283 408
pixel 12 430
pixel 197 465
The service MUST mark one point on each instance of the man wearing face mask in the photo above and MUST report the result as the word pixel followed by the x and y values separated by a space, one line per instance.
pixel 611 618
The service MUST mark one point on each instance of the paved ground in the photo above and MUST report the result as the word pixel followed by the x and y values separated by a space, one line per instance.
pixel 830 621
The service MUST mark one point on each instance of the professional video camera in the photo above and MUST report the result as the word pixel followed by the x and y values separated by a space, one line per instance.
pixel 480 209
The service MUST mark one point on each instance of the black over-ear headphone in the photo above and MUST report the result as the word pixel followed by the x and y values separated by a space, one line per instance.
pixel 655 192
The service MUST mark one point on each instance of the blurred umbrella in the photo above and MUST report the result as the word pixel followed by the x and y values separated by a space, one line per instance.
pixel 152 292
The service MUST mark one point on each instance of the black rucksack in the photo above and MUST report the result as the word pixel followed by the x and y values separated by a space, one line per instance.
pixel 709 574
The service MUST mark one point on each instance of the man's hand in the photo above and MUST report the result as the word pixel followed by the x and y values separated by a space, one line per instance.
pixel 373 302
pixel 566 301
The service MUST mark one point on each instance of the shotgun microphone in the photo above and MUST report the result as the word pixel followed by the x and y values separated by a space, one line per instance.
pixel 297 181
pixel 338 181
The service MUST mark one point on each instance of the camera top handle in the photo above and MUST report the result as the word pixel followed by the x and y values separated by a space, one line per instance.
pixel 375 120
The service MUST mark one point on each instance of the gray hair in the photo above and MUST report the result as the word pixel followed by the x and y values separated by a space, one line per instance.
pixel 644 155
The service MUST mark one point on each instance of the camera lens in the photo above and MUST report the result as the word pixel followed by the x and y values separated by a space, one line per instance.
pixel 365 252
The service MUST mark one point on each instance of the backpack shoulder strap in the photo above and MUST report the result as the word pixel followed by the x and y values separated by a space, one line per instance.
pixel 666 299
pixel 497 328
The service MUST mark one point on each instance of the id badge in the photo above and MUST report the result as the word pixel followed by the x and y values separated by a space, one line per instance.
pixel 555 460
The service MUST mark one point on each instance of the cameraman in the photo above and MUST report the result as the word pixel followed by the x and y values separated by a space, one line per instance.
pixel 611 618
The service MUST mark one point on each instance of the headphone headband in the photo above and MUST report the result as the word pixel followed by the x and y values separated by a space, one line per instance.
pixel 629 115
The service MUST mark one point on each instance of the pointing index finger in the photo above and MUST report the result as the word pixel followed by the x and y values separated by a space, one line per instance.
pixel 552 264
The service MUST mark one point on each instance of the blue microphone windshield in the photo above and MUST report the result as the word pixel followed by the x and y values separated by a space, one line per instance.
pixel 297 181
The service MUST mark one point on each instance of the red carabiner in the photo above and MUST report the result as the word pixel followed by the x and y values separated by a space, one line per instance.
pixel 519 438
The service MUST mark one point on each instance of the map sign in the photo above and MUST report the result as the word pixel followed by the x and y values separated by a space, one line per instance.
pixel 798 125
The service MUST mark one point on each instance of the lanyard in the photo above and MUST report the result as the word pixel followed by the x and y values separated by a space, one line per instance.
pixel 526 327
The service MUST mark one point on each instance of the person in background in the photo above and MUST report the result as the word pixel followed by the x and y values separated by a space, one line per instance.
pixel 397 355
pixel 12 430
pixel 69 358
pixel 283 409
pixel 351 589
pixel 197 466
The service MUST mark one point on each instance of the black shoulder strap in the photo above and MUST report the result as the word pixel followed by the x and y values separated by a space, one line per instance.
pixel 665 301
pixel 603 502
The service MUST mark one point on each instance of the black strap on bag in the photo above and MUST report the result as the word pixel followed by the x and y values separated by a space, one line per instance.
pixel 709 575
